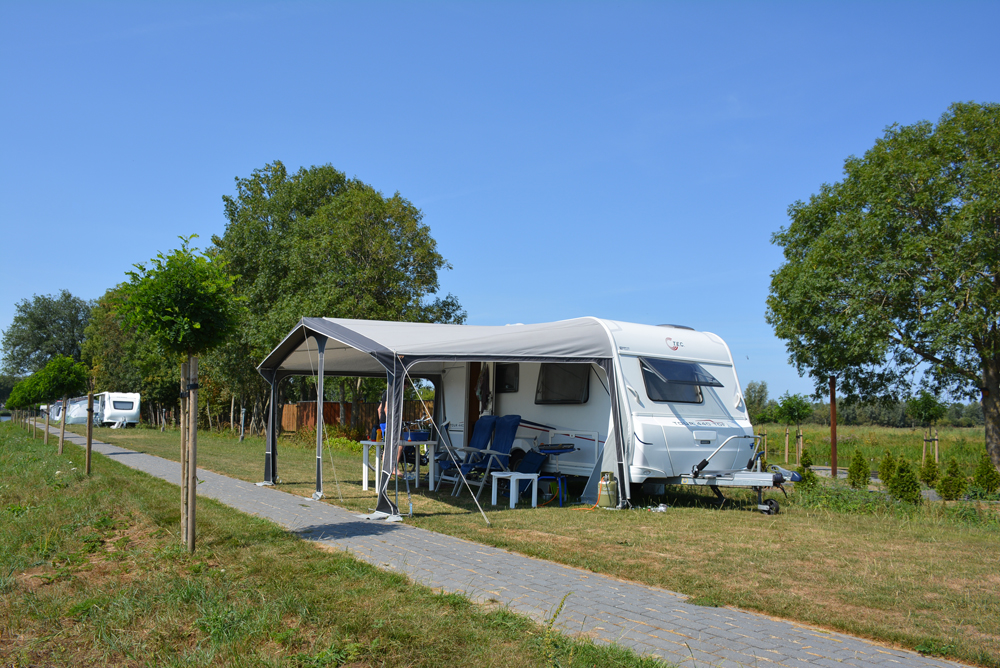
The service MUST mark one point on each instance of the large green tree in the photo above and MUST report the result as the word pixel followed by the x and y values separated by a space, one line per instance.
pixel 315 243
pixel 893 273
pixel 44 327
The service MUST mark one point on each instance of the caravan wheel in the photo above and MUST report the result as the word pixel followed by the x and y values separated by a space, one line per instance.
pixel 772 507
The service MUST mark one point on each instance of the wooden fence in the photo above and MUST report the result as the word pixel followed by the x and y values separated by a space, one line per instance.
pixel 303 414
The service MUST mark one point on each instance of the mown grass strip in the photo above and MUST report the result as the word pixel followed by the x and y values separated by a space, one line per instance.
pixel 919 577
pixel 92 573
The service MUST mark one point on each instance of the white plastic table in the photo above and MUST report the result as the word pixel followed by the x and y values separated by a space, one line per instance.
pixel 366 447
pixel 515 478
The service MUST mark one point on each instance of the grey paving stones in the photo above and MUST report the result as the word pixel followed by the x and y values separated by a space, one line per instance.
pixel 649 620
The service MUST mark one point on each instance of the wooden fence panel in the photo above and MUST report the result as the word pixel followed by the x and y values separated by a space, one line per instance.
pixel 303 415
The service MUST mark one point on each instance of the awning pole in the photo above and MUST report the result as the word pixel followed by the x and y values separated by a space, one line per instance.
pixel 321 345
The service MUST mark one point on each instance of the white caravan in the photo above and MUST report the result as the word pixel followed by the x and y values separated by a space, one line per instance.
pixel 116 408
pixel 76 413
pixel 651 404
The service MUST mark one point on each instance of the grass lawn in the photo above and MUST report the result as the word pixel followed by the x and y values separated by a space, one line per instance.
pixel 93 573
pixel 926 578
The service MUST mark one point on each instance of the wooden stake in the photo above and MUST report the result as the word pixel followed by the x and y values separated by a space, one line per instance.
pixel 786 443
pixel 45 436
pixel 936 461
pixel 184 452
pixel 90 430
pixel 923 457
pixel 62 429
pixel 193 453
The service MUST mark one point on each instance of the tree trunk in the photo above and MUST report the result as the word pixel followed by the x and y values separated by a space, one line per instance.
pixel 991 411
pixel 232 408
pixel 45 436
pixel 90 429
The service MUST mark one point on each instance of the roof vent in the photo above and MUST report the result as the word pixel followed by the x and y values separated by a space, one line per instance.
pixel 678 327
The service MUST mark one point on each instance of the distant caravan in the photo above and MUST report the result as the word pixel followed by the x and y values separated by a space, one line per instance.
pixel 113 409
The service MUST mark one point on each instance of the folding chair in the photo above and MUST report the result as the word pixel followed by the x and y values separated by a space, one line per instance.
pixel 481 435
pixel 494 458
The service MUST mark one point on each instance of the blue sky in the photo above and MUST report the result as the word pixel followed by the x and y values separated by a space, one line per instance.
pixel 627 160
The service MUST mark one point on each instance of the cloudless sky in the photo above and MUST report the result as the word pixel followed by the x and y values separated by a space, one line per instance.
pixel 627 160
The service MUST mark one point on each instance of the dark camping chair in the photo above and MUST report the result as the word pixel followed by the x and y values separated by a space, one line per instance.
pixel 481 435
pixel 494 458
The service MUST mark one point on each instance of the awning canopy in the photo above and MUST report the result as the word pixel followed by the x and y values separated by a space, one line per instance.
pixel 368 347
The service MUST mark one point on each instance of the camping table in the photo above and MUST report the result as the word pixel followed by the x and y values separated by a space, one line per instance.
pixel 514 477
pixel 366 458
pixel 366 447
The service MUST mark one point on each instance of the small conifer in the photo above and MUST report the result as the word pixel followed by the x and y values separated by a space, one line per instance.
pixel 887 468
pixel 952 485
pixel 858 473
pixel 986 476
pixel 904 484
pixel 809 478
pixel 929 472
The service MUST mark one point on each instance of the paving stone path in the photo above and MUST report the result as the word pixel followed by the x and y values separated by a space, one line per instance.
pixel 649 620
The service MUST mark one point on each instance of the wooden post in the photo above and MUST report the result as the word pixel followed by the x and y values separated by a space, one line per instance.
pixel 184 451
pixel 786 443
pixel 34 423
pixel 45 436
pixel 923 457
pixel 798 445
pixel 90 430
pixel 62 428
pixel 193 454
pixel 833 427
pixel 936 461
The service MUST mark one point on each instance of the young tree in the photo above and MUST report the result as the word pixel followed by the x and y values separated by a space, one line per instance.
pixel 46 326
pixel 184 302
pixel 896 266
pixel 925 408
pixel 61 378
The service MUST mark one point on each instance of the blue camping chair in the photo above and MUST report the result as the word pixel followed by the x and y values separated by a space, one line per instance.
pixel 481 435
pixel 495 458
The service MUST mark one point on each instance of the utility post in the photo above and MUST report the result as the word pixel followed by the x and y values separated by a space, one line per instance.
pixel 833 427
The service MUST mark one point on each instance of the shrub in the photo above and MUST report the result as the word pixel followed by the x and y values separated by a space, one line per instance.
pixel 952 485
pixel 859 473
pixel 887 468
pixel 929 472
pixel 986 476
pixel 342 444
pixel 809 479
pixel 904 484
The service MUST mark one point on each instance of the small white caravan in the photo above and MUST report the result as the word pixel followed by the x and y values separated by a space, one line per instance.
pixel 651 404
pixel 116 408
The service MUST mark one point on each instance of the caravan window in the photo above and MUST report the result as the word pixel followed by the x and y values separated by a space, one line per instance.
pixel 507 377
pixel 563 384
pixel 675 382
pixel 122 405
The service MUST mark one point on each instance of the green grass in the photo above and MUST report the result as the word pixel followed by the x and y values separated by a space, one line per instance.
pixel 92 572
pixel 926 577
pixel 965 445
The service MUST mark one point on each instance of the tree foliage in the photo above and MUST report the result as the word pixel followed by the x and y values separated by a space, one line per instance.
pixel 183 302
pixel 986 476
pixel 756 399
pixel 793 409
pixel 61 377
pixel 897 267
pixel 44 327
pixel 315 243
pixel 925 408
